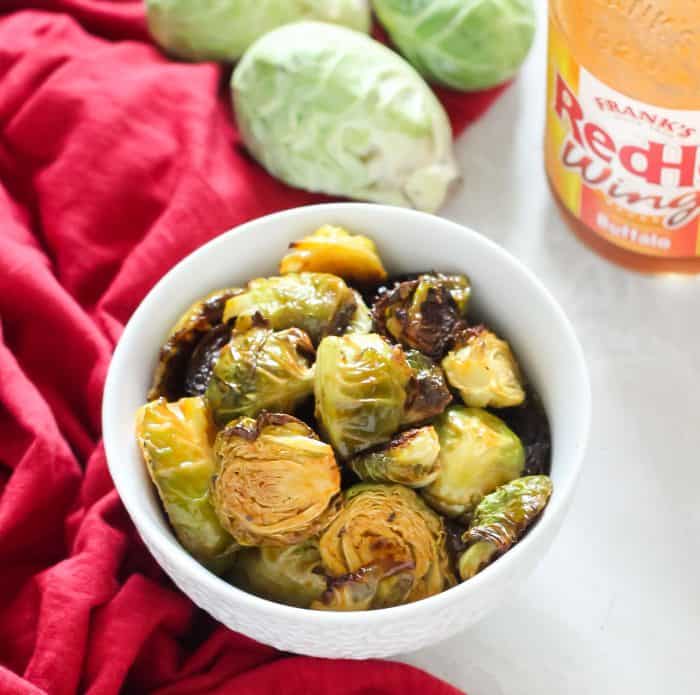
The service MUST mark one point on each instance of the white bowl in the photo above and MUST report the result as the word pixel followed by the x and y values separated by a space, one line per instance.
pixel 504 291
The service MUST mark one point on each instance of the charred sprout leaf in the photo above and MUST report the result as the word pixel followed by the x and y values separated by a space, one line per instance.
pixel 410 458
pixel 361 321
pixel 175 439
pixel 500 519
pixel 261 370
pixel 427 393
pixel 385 548
pixel 482 368
pixel 278 484
pixel 291 575
pixel 201 364
pixel 331 249
pixel 477 454
pixel 360 390
pixel 174 356
pixel 318 303
pixel 423 314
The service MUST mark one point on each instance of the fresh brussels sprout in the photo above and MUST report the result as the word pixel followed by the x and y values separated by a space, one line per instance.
pixel 318 303
pixel 500 519
pixel 277 484
pixel 484 371
pixel 410 458
pixel 223 29
pixel 360 388
pixel 361 321
pixel 477 454
pixel 427 394
pixel 191 328
pixel 330 110
pixel 466 46
pixel 261 369
pixel 291 575
pixel 334 250
pixel 385 548
pixel 424 313
pixel 175 439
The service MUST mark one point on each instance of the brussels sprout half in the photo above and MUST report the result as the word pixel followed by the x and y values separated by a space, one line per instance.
pixel 500 519
pixel 410 458
pixel 427 392
pixel 331 249
pixel 385 548
pixel 468 46
pixel 223 29
pixel 477 454
pixel 277 484
pixel 261 369
pixel 330 110
pixel 175 439
pixel 484 371
pixel 318 303
pixel 360 389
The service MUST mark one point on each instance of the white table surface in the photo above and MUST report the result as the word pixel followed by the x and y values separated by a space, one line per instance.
pixel 615 605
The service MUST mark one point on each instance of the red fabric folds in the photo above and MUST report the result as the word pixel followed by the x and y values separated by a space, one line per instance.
pixel 114 164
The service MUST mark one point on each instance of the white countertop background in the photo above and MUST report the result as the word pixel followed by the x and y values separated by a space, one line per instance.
pixel 615 605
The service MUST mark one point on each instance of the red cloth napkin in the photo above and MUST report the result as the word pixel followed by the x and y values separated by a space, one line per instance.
pixel 114 164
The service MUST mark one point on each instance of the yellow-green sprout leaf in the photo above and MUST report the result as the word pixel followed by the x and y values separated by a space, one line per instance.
pixel 330 110
pixel 175 439
pixel 223 29
pixel 334 250
pixel 261 369
pixel 484 371
pixel 361 320
pixel 385 548
pixel 464 45
pixel 278 484
pixel 500 520
pixel 478 452
pixel 360 389
pixel 318 303
pixel 291 574
pixel 410 458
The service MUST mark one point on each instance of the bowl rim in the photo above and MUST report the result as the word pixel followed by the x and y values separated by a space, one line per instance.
pixel 166 543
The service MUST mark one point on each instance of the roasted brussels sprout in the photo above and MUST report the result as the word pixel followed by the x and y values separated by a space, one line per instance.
pixel 360 389
pixel 223 29
pixel 477 454
pixel 385 548
pixel 462 45
pixel 361 321
pixel 410 458
pixel 330 110
pixel 319 303
pixel 261 369
pixel 175 439
pixel 277 483
pixel 500 519
pixel 194 325
pixel 427 393
pixel 482 368
pixel 425 313
pixel 292 574
pixel 334 250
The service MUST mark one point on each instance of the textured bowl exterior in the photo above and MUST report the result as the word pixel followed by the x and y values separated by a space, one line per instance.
pixel 517 306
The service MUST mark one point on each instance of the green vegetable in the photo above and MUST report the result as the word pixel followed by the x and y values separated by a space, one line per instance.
pixel 261 370
pixel 291 575
pixel 327 109
pixel 464 44
pixel 277 484
pixel 385 548
pixel 477 454
pixel 427 393
pixel 410 458
pixel 361 320
pixel 223 29
pixel 500 519
pixel 175 439
pixel 360 389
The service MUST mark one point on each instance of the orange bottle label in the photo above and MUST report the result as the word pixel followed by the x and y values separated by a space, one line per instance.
pixel 630 171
